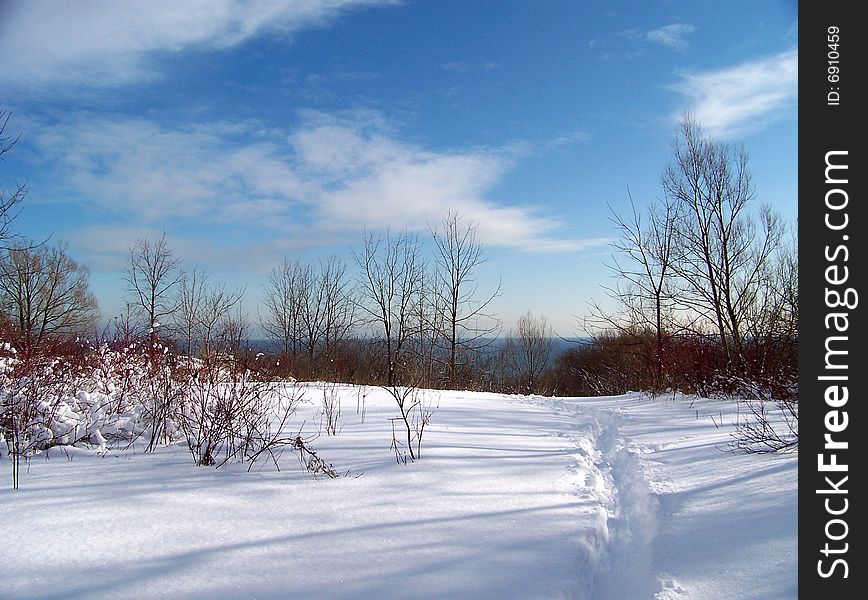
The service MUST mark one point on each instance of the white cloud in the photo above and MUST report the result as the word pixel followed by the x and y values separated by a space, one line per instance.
pixel 568 139
pixel 153 172
pixel 109 42
pixel 736 100
pixel 673 36
pixel 378 181
pixel 332 176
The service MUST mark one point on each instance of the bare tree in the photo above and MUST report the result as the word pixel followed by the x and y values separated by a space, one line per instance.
pixel 327 307
pixel 310 305
pixel 152 276
pixel 44 293
pixel 192 287
pixel 216 308
pixel 281 320
pixel 391 276
pixel 392 273
pixel 466 326
pixel 785 291
pixel 233 336
pixel 338 299
pixel 709 270
pixel 643 289
pixel 205 315
pixel 338 305
pixel 720 251
pixel 428 324
pixel 309 308
pixel 704 264
pixel 528 351
pixel 9 200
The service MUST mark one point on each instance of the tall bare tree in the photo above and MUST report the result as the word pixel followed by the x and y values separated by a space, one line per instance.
pixel 152 277
pixel 643 288
pixel 338 304
pixel 720 249
pixel 467 325
pixel 281 320
pixel 391 275
pixel 44 293
pixel 390 285
pixel 772 324
pixel 192 287
pixel 429 312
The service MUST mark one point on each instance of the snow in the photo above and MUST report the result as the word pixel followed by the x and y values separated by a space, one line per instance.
pixel 514 497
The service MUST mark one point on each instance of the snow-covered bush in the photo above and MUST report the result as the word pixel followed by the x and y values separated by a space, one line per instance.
pixel 99 398
pixel 224 409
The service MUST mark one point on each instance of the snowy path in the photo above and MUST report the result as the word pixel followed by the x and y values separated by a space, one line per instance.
pixel 592 499
pixel 624 565
pixel 686 519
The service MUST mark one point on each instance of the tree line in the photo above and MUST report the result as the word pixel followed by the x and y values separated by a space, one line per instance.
pixel 705 297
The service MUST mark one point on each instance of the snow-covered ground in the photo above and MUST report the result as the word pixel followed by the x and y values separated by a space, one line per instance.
pixel 598 498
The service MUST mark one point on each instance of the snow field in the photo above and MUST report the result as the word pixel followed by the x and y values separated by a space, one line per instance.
pixel 514 497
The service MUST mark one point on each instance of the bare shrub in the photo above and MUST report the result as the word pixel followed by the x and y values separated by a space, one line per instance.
pixel 311 460
pixel 397 446
pixel 31 416
pixel 331 408
pixel 233 415
pixel 361 402
pixel 764 424
pixel 422 411
pixel 416 412
pixel 603 367
pixel 92 398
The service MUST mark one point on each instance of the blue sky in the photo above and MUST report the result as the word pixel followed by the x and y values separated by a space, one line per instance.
pixel 254 130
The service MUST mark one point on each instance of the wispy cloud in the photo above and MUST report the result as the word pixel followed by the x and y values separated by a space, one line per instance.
pixel 334 175
pixel 136 165
pixel 673 35
pixel 737 100
pixel 367 177
pixel 108 42
pixel 568 139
